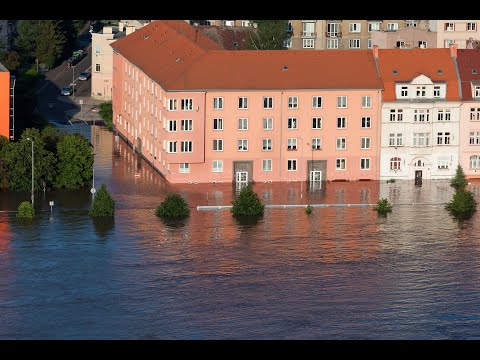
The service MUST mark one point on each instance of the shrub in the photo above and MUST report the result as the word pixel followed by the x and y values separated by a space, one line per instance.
pixel 106 113
pixel 391 181
pixel 174 206
pixel 103 204
pixel 247 203
pixel 308 209
pixel 463 204
pixel 459 180
pixel 25 210
pixel 383 207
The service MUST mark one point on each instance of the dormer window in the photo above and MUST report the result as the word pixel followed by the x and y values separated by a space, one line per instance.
pixel 421 91
pixel 477 91
pixel 404 91
pixel 436 91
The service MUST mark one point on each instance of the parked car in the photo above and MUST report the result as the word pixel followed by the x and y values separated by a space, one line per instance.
pixel 67 91
pixel 84 76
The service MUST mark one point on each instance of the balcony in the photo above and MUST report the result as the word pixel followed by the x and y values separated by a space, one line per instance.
pixel 308 35
pixel 303 21
pixel 333 34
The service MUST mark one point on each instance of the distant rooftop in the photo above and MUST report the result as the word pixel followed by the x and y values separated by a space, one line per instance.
pixel 3 68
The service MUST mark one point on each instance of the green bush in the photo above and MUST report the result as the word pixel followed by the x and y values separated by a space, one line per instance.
pixel 103 204
pixel 106 112
pixel 459 180
pixel 463 204
pixel 391 181
pixel 383 207
pixel 174 206
pixel 308 209
pixel 25 210
pixel 247 203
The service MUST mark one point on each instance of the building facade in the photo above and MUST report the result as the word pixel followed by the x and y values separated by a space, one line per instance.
pixel 407 38
pixel 464 33
pixel 342 34
pixel 4 101
pixel 199 114
pixel 102 56
pixel 7 30
pixel 420 114
pixel 469 69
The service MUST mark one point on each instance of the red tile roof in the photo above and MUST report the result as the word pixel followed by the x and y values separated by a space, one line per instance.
pixel 468 60
pixel 410 63
pixel 177 62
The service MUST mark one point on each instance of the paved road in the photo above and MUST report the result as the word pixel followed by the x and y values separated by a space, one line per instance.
pixel 61 109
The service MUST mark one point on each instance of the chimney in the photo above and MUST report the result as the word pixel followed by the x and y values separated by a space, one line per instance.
pixel 130 29
pixel 453 49
pixel 375 51
pixel 107 30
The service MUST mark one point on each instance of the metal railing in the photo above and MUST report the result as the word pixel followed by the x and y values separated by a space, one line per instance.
pixel 333 34
pixel 308 34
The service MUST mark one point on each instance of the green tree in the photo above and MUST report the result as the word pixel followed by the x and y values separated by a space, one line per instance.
pixel 51 137
pixel 459 180
pixel 50 42
pixel 19 159
pixel 383 207
pixel 463 204
pixel 270 35
pixel 75 160
pixel 25 210
pixel 106 112
pixel 4 172
pixel 26 39
pixel 174 206
pixel 247 203
pixel 103 204
pixel 11 60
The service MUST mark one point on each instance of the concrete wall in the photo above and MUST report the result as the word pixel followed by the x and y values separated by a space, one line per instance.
pixel 4 102
pixel 468 125
pixel 460 34
pixel 411 36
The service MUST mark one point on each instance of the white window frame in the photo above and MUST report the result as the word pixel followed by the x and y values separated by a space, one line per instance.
pixel 186 146
pixel 172 126
pixel 354 43
pixel 218 103
pixel 186 104
pixel 342 102
pixel 332 43
pixel 355 27
pixel 267 144
pixel 292 144
pixel 474 162
pixel 339 162
pixel 243 102
pixel 266 164
pixel 172 105
pixel 366 120
pixel 218 143
pixel 308 43
pixel 292 123
pixel 366 102
pixel 317 123
pixel 268 102
pixel 184 168
pixel 392 26
pixel 373 26
pixel 242 145
pixel 316 144
pixel 341 143
pixel 293 102
pixel 267 124
pixel 449 26
pixel 217 122
pixel 292 165
pixel 317 102
pixel 186 125
pixel 364 163
pixel 471 26
pixel 365 143
pixel 242 124
pixel 395 163
pixel 172 147
pixel 217 166
pixel 341 122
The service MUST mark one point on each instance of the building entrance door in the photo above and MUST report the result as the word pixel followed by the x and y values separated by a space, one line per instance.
pixel 242 177
pixel 315 176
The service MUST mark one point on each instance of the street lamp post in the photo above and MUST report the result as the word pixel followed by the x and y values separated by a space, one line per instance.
pixel 73 82
pixel 33 169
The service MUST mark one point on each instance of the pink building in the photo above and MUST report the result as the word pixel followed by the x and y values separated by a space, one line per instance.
pixel 469 69
pixel 201 114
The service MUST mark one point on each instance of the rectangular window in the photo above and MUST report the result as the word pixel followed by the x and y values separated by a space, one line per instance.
pixel 369 43
pixel 183 168
pixel 332 43
pixel 293 102
pixel 268 102
pixel 366 101
pixel 243 102
pixel 341 122
pixel 477 91
pixel 292 165
pixel 267 144
pixel 443 162
pixel 217 166
pixel 447 115
pixel 242 144
pixel 449 27
pixel 421 139
pixel 475 138
pixel 400 44
pixel 243 124
pixel 172 104
pixel 421 91
pixel 316 123
pixel 97 67
pixel 354 27
pixel 354 43
pixel 217 144
pixel 440 115
pixel 218 124
pixel 308 43
pixel 395 139
pixel 218 103
pixel 422 44
pixel 316 144
pixel 172 125
pixel 186 146
pixel 267 124
pixel 341 101
pixel 292 123
pixel 267 165
pixel 365 164
pixel 317 102
pixel 421 115
pixel 471 26
pixel 366 143
pixel 291 144
pixel 172 146
pixel 373 26
pixel 341 143
pixel 392 26
pixel 404 91
pixel 187 125
pixel 366 122
pixel 341 164
pixel 187 104
pixel 440 138
pixel 436 91
pixel 474 113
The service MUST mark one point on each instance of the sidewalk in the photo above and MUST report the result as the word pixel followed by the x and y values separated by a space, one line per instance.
pixel 87 112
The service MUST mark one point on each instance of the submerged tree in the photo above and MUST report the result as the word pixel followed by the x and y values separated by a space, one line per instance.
pixel 459 180
pixel 270 35
pixel 75 161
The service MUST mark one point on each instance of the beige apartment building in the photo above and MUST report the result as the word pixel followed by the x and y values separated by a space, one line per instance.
pixel 342 34
pixel 102 55
pixel 408 38
pixel 464 33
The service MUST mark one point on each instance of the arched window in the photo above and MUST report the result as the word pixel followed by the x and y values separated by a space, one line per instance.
pixel 475 162
pixel 419 163
pixel 395 163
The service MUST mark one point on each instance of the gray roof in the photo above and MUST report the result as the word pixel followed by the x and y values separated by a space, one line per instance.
pixel 3 68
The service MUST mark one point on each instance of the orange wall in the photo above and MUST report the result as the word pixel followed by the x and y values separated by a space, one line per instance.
pixel 4 103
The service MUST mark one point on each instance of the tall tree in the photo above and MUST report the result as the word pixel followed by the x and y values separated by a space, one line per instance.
pixel 50 42
pixel 75 161
pixel 270 35
pixel 26 39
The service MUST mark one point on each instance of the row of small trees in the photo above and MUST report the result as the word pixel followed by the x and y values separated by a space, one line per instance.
pixel 61 161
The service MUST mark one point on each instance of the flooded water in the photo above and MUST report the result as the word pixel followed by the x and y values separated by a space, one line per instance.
pixel 340 273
